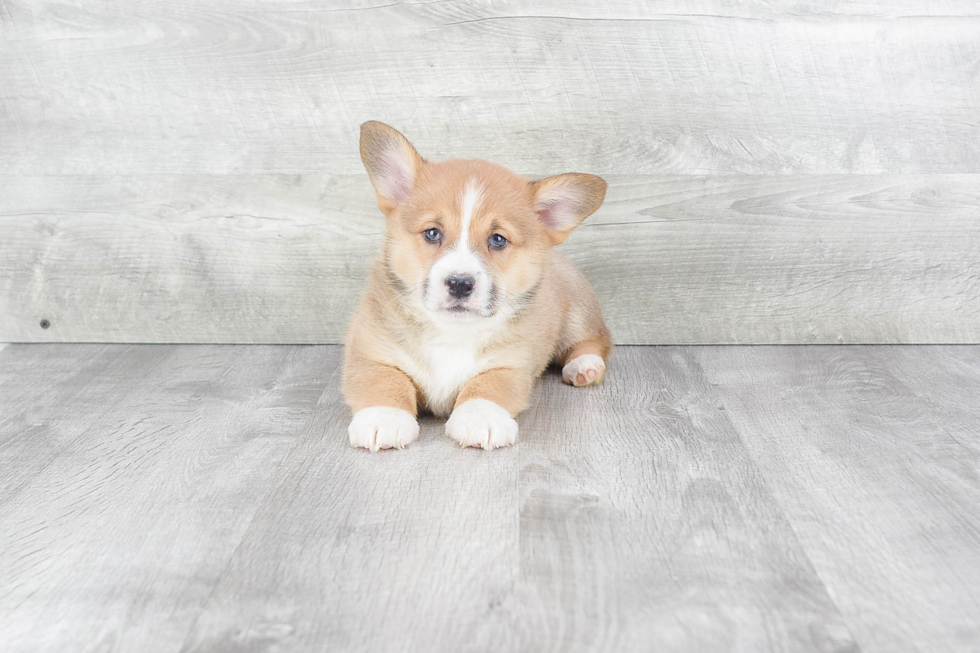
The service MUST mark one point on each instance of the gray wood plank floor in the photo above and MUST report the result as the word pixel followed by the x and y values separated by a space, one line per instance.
pixel 204 498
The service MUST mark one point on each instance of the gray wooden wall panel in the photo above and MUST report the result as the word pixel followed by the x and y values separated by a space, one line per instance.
pixel 675 87
pixel 726 259
pixel 188 172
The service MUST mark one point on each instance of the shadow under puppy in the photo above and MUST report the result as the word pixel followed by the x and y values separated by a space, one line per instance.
pixel 468 302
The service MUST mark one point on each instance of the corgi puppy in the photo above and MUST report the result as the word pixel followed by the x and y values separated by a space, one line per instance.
pixel 468 302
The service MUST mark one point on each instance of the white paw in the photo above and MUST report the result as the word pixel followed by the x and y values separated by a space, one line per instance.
pixel 382 427
pixel 482 423
pixel 584 370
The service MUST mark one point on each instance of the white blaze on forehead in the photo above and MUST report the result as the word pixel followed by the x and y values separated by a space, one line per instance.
pixel 471 197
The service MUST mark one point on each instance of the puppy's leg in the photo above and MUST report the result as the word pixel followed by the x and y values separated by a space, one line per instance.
pixel 585 342
pixel 589 344
pixel 483 415
pixel 384 402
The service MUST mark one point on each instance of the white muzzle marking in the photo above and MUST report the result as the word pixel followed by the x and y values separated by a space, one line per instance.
pixel 461 261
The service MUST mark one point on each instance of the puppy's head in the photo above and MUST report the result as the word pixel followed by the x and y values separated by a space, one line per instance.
pixel 468 239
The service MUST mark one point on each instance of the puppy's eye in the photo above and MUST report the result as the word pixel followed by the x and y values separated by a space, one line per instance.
pixel 497 241
pixel 432 235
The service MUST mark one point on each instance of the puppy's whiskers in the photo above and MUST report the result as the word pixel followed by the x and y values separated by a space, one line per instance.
pixel 403 292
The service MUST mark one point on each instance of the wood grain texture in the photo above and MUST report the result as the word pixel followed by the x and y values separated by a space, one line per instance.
pixel 187 172
pixel 614 87
pixel 678 260
pixel 204 498
pixel 646 527
pixel 115 541
pixel 945 379
pixel 413 550
pixel 53 395
pixel 878 479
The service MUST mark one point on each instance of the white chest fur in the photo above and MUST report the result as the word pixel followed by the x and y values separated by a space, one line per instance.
pixel 446 360
pixel 445 371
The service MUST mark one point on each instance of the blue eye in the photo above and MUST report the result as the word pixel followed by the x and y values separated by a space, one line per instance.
pixel 432 235
pixel 497 241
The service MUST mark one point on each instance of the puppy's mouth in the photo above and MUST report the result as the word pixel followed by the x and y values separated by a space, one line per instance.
pixel 463 311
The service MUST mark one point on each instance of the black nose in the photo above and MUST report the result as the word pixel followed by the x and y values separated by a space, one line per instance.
pixel 460 287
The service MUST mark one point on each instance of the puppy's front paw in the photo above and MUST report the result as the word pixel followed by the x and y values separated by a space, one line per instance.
pixel 587 369
pixel 482 423
pixel 382 427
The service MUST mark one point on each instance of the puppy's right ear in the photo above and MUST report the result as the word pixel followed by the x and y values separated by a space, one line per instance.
pixel 391 162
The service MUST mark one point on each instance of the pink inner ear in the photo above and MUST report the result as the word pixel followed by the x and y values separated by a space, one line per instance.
pixel 549 214
pixel 396 173
pixel 397 183
pixel 558 213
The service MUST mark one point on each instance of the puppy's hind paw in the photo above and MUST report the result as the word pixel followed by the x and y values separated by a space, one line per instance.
pixel 587 369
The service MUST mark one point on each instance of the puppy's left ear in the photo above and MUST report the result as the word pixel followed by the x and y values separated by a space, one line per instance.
pixel 563 201
pixel 391 162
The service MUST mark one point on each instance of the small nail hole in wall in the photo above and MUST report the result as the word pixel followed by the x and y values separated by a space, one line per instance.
pixel 45 324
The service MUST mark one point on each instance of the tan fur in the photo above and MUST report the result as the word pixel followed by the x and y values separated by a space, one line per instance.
pixel 508 387
pixel 390 329
pixel 375 384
